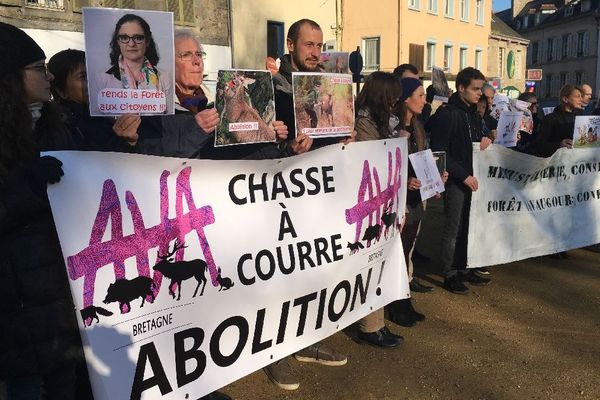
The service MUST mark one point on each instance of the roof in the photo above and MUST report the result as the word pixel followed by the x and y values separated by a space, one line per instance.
pixel 502 29
pixel 552 11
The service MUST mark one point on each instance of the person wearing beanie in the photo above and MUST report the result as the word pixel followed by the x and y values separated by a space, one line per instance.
pixel 40 346
pixel 412 102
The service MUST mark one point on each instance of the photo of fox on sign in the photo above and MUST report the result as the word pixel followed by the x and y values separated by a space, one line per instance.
pixel 190 274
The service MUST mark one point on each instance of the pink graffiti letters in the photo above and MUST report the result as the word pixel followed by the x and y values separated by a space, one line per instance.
pixel 372 206
pixel 118 248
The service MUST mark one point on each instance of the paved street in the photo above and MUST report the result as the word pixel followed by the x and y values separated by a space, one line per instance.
pixel 533 333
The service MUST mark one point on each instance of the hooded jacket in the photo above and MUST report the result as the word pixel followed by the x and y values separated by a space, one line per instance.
pixel 455 129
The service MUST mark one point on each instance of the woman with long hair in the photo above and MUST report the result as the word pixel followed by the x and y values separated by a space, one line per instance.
pixel 40 344
pixel 412 102
pixel 376 106
pixel 556 130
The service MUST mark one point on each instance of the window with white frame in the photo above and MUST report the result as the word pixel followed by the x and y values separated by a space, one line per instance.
pixel 370 53
pixel 430 55
pixel 518 56
pixel 449 8
pixel 463 58
pixel 49 4
pixel 447 57
pixel 432 6
pixel 464 10
pixel 414 4
pixel 478 58
pixel 501 58
pixel 479 11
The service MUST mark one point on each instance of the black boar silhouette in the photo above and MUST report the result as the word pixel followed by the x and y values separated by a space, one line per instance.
pixel 124 291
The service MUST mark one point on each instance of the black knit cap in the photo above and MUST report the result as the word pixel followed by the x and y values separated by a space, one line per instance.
pixel 17 49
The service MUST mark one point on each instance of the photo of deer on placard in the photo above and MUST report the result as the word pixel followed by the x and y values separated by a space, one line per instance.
pixel 246 106
pixel 323 104
pixel 334 62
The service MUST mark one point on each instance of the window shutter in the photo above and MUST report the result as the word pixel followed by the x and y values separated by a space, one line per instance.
pixel 586 42
pixel 188 11
pixel 110 3
pixel 78 4
pixel 416 53
pixel 556 48
pixel 569 45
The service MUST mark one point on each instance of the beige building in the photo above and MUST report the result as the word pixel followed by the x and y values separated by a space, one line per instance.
pixel 260 27
pixel 507 54
pixel 450 34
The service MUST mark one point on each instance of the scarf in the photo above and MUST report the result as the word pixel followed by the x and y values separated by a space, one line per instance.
pixel 145 78
pixel 191 102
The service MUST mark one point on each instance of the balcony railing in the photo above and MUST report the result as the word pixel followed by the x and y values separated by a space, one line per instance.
pixel 46 4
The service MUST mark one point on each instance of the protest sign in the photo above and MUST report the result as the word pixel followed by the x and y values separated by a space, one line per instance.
pixel 440 161
pixel 335 62
pixel 508 128
pixel 246 105
pixel 427 172
pixel 125 73
pixel 585 133
pixel 532 206
pixel 548 110
pixel 500 103
pixel 323 104
pixel 437 102
pixel 190 274
pixel 439 82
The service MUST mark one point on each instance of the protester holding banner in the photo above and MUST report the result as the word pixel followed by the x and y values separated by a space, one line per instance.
pixel 376 105
pixel 40 344
pixel 556 130
pixel 134 59
pixel 456 127
pixel 304 42
pixel 528 140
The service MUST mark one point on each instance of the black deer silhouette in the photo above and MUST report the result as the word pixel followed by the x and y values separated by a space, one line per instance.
pixel 225 283
pixel 180 271
pixel 388 219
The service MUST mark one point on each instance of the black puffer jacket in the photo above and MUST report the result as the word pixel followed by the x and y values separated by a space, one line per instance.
pixel 38 329
pixel 455 129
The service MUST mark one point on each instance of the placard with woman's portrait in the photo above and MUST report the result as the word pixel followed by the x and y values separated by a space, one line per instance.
pixel 130 61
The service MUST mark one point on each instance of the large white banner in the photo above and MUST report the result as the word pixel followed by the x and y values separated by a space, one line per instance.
pixel 190 274
pixel 528 206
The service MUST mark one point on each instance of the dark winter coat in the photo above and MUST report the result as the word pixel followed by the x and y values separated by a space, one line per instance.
pixel 38 329
pixel 455 129
pixel 555 127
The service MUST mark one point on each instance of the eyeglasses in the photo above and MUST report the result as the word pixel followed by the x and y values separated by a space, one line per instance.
pixel 137 39
pixel 39 68
pixel 189 55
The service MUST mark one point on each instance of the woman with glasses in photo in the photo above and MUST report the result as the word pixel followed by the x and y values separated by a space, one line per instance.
pixel 134 59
